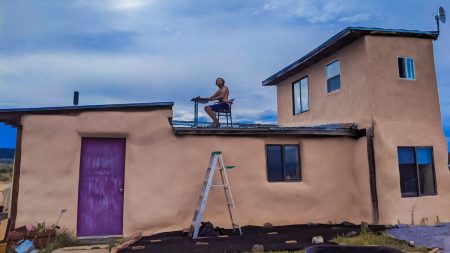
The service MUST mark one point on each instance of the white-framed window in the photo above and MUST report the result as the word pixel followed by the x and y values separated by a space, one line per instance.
pixel 406 69
pixel 333 76
pixel 300 96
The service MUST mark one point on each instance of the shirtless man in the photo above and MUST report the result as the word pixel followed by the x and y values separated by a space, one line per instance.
pixel 222 96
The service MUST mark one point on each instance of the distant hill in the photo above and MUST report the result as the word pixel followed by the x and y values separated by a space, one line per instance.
pixel 7 153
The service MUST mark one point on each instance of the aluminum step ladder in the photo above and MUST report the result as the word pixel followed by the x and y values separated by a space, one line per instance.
pixel 216 162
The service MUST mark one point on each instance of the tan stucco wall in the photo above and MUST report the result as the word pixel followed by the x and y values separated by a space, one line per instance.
pixel 164 174
pixel 403 112
pixel 349 104
pixel 406 113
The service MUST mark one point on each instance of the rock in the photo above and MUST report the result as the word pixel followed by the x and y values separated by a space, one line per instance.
pixel 272 233
pixel 435 250
pixel 317 239
pixel 291 242
pixel 155 240
pixel 138 248
pixel 411 243
pixel 267 225
pixel 257 248
pixel 351 234
pixel 346 223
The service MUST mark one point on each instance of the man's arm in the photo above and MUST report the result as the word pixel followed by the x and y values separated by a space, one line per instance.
pixel 217 95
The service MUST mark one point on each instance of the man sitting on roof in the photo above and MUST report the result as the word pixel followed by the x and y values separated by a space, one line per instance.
pixel 222 96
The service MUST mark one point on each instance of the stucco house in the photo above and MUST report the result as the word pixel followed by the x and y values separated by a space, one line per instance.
pixel 358 138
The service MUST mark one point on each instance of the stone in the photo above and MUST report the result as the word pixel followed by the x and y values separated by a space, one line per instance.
pixel 435 250
pixel 257 248
pixel 351 234
pixel 267 225
pixel 291 242
pixel 317 239
pixel 155 240
pixel 137 247
pixel 272 233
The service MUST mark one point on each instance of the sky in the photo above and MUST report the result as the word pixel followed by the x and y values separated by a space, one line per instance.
pixel 129 51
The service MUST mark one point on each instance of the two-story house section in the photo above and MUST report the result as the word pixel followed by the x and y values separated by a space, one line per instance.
pixel 384 80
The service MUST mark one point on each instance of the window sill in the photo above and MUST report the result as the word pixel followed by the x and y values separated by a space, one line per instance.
pixel 333 92
pixel 406 79
pixel 418 196
pixel 286 181
pixel 300 113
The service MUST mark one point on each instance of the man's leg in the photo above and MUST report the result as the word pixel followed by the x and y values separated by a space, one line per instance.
pixel 212 114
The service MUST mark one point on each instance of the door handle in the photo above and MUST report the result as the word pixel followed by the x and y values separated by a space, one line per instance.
pixel 121 190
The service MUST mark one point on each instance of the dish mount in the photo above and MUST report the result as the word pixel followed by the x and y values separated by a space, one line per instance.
pixel 440 17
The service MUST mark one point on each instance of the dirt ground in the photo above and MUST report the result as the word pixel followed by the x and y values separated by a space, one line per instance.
pixel 278 238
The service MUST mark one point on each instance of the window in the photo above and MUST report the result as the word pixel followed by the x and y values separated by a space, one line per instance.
pixel 333 76
pixel 417 176
pixel 283 163
pixel 300 96
pixel 406 68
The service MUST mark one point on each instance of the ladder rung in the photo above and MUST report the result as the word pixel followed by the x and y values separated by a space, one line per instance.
pixel 223 185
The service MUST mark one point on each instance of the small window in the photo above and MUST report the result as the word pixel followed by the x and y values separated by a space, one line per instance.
pixel 417 177
pixel 283 163
pixel 333 76
pixel 300 96
pixel 406 68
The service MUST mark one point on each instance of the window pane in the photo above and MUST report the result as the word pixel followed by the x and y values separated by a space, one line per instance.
pixel 408 180
pixel 291 163
pixel 297 108
pixel 333 69
pixel 408 172
pixel 410 68
pixel 406 156
pixel 304 94
pixel 274 163
pixel 426 173
pixel 401 67
pixel 424 155
pixel 334 84
pixel 426 177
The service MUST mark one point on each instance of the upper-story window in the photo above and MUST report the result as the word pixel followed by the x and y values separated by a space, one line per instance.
pixel 333 76
pixel 406 68
pixel 300 95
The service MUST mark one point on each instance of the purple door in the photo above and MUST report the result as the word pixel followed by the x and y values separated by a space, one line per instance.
pixel 100 193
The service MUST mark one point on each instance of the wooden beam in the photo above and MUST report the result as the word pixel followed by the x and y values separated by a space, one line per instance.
pixel 16 177
pixel 372 175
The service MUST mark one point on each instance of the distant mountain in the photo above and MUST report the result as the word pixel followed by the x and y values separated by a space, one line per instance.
pixel 7 153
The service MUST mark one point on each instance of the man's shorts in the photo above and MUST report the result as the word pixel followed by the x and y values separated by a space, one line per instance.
pixel 220 107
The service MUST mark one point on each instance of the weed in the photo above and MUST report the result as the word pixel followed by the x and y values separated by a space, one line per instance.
pixel 63 239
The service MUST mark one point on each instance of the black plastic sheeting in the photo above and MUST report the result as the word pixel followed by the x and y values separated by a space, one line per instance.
pixel 350 249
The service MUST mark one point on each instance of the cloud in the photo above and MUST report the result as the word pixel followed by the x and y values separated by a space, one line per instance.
pixel 117 5
pixel 319 11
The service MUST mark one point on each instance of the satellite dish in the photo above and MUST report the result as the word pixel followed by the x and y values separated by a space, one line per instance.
pixel 441 15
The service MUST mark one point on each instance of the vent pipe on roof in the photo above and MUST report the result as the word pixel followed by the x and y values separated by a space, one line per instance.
pixel 76 97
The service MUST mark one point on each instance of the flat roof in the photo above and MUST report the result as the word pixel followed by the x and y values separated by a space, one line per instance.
pixel 12 116
pixel 337 42
pixel 328 130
